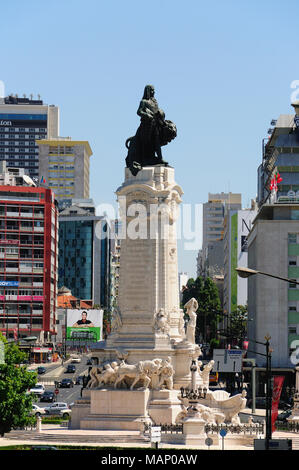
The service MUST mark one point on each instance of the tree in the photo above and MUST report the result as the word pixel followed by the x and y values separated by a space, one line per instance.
pixel 238 323
pixel 15 380
pixel 206 293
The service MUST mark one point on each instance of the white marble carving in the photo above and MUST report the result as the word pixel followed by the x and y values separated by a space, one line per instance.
pixel 191 306
pixel 161 322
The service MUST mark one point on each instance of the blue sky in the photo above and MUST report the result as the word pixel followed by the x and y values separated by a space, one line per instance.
pixel 222 70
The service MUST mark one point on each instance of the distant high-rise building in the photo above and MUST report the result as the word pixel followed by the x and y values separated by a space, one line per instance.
pixel 23 121
pixel 210 258
pixel 64 167
pixel 84 259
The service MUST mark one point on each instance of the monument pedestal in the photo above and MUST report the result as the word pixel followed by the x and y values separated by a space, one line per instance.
pixel 164 406
pixel 117 409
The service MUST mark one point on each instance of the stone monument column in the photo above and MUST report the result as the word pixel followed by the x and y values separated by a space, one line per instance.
pixel 148 288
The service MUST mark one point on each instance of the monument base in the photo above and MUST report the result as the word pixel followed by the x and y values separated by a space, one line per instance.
pixel 164 406
pixel 117 409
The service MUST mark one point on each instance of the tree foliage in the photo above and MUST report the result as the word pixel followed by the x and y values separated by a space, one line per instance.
pixel 205 291
pixel 15 380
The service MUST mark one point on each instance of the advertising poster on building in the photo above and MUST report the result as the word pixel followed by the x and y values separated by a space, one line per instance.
pixel 84 325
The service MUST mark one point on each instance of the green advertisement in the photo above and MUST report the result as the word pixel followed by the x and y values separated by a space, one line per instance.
pixel 84 325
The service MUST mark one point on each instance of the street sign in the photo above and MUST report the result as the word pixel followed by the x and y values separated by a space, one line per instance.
pixel 209 441
pixel 155 433
pixel 223 433
pixel 56 391
pixel 227 360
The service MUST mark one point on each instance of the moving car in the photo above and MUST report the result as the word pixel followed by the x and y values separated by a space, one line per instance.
pixel 66 383
pixel 76 359
pixel 41 370
pixel 48 396
pixel 70 369
pixel 79 380
pixel 37 411
pixel 38 389
pixel 56 408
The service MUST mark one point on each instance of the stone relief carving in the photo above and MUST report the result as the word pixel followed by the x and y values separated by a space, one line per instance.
pixel 161 322
pixel 166 374
pixel 156 374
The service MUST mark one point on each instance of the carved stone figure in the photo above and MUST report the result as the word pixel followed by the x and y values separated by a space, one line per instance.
pixel 154 131
pixel 94 377
pixel 108 375
pixel 161 322
pixel 142 371
pixel 205 374
pixel 191 306
pixel 166 373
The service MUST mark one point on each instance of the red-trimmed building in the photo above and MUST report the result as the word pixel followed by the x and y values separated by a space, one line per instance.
pixel 28 262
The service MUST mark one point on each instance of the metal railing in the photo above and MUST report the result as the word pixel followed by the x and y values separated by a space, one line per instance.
pixel 254 428
pixel 287 426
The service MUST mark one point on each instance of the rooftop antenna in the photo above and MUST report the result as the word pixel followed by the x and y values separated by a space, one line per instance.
pixel 24 95
pixel 31 96
pixel 38 96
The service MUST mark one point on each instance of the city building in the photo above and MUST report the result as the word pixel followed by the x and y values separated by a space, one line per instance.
pixel 210 260
pixel 28 262
pixel 84 258
pixel 64 167
pixel 114 263
pixel 237 226
pixel 22 122
pixel 273 246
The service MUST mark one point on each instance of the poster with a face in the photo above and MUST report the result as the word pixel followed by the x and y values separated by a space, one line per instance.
pixel 85 325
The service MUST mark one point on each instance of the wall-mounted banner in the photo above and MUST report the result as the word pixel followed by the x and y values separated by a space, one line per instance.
pixel 277 388
pixel 85 325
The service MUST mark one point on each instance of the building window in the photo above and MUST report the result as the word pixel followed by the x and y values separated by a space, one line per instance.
pixel 292 285
pixel 292 330
pixel 292 237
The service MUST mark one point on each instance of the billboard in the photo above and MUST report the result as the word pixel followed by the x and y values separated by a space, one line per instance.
pixel 85 325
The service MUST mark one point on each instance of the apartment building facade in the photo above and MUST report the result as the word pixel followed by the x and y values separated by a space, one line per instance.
pixel 28 262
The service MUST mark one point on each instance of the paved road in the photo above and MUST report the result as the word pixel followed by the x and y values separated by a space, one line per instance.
pixel 57 372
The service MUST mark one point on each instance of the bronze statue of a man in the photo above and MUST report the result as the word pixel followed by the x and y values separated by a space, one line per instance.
pixel 144 149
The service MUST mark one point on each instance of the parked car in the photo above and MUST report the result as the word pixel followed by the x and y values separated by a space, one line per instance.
pixel 41 370
pixel 282 417
pixel 38 389
pixel 66 383
pixel 70 369
pixel 37 411
pixel 48 396
pixel 56 408
pixel 66 412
